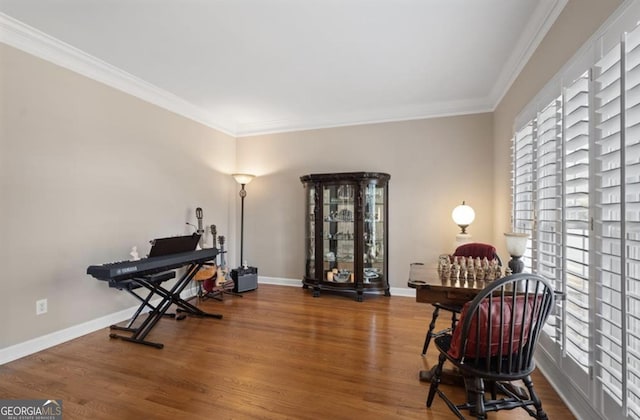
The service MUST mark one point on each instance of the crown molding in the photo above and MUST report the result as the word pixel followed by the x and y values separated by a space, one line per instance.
pixel 23 37
pixel 28 39
pixel 542 20
pixel 398 114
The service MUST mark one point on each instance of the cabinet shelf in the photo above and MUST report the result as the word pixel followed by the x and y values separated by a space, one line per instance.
pixel 335 202
pixel 347 236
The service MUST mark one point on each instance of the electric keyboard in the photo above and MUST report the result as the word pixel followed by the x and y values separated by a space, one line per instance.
pixel 125 270
pixel 139 274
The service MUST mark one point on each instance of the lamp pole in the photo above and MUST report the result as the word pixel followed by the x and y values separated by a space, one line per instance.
pixel 243 194
pixel 242 179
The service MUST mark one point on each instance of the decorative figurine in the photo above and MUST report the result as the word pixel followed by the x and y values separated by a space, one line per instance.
pixel 455 270
pixel 134 253
pixel 464 273
pixel 497 272
pixel 479 269
pixel 490 275
pixel 443 263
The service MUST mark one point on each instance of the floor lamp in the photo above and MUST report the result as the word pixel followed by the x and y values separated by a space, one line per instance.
pixel 242 179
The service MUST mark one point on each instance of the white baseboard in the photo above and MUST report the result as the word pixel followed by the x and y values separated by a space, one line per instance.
pixel 37 344
pixel 395 291
pixel 280 281
pixel 574 399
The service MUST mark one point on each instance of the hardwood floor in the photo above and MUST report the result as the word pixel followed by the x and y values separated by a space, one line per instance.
pixel 278 353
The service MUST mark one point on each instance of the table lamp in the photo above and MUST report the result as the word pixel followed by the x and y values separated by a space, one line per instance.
pixel 463 215
pixel 516 246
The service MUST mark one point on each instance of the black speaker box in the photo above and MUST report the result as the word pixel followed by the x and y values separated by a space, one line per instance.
pixel 244 279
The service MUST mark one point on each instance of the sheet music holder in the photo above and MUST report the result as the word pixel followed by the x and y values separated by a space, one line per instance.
pixel 173 245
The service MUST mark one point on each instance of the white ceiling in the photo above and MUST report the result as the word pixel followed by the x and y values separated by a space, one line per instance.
pixel 256 66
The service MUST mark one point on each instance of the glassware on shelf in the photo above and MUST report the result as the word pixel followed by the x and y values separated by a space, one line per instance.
pixel 342 276
pixel 345 192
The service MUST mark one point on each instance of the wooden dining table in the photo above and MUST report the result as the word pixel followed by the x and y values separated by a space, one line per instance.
pixel 431 288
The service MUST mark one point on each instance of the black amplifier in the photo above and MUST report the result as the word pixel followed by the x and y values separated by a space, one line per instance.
pixel 244 279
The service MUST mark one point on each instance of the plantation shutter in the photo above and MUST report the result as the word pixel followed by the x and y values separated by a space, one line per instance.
pixel 548 234
pixel 576 216
pixel 608 226
pixel 631 290
pixel 523 185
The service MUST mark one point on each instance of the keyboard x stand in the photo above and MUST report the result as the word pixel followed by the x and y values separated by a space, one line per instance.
pixel 168 297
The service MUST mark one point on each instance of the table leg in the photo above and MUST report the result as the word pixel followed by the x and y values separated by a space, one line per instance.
pixel 448 376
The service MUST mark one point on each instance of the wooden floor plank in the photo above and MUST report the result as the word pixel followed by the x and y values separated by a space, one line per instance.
pixel 278 353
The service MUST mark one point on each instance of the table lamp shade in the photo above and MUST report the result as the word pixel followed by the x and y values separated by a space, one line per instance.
pixel 516 243
pixel 463 215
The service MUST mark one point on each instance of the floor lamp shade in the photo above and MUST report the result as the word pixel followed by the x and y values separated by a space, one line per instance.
pixel 243 179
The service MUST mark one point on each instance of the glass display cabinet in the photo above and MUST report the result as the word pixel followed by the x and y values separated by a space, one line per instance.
pixel 346 233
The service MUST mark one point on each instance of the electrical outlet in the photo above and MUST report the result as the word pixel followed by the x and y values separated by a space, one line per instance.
pixel 41 306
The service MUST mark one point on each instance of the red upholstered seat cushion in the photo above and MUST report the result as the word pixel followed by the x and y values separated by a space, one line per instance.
pixel 456 342
pixel 475 249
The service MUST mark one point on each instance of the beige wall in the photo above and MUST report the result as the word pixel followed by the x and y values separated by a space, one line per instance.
pixel 86 172
pixel 434 164
pixel 577 22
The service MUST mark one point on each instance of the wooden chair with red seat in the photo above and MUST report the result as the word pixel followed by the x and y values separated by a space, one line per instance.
pixel 474 250
pixel 495 341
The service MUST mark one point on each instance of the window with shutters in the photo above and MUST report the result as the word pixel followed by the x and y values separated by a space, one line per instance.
pixel 576 191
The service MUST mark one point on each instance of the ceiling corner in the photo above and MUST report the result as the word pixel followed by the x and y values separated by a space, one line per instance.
pixel 542 20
